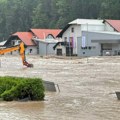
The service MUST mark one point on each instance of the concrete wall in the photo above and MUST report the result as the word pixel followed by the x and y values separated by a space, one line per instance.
pixel 93 49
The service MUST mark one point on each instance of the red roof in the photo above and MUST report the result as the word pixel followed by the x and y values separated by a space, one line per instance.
pixel 114 23
pixel 43 33
pixel 26 37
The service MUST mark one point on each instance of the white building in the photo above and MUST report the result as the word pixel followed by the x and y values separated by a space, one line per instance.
pixel 74 30
pixel 88 37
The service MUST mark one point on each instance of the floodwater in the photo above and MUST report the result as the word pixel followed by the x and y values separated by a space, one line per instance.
pixel 87 88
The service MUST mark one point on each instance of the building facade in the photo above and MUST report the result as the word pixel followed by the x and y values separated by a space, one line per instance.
pixel 74 30
pixel 88 37
pixel 98 44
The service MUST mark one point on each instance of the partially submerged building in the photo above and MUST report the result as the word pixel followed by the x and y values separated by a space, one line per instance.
pixel 45 47
pixel 88 37
pixel 26 38
pixel 45 40
pixel 34 40
pixel 98 43
pixel 74 29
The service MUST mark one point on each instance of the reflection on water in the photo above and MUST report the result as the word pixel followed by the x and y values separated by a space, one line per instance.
pixel 85 89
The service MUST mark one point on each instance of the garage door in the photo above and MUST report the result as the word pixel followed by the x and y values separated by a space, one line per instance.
pixel 106 46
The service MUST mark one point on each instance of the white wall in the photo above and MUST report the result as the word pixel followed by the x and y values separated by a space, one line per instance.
pixel 87 27
pixel 68 34
pixel 108 28
pixel 29 48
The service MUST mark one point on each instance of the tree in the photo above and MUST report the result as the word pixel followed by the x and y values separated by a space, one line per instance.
pixel 110 9
pixel 21 15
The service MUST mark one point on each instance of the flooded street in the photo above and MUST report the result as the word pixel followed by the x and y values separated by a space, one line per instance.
pixel 86 87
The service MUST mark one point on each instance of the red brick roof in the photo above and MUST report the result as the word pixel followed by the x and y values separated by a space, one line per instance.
pixel 26 37
pixel 43 33
pixel 114 23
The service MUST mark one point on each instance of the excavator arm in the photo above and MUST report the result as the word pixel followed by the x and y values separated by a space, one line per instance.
pixel 21 49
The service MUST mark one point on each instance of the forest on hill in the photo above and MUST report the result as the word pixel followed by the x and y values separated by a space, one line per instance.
pixel 21 15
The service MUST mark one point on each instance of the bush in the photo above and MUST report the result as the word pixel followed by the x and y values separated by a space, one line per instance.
pixel 16 88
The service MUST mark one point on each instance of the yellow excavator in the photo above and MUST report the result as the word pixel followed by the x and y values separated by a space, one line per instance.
pixel 21 49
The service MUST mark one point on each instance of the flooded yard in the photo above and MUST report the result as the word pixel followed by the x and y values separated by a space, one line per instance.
pixel 86 87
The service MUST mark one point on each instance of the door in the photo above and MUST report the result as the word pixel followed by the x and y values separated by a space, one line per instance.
pixel 59 52
pixel 106 48
pixel 69 51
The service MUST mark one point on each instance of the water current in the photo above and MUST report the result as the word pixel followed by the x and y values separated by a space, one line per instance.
pixel 87 89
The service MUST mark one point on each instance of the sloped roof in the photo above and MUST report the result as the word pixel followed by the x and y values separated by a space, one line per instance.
pixel 114 23
pixel 26 37
pixel 3 42
pixel 81 22
pixel 43 33
pixel 87 21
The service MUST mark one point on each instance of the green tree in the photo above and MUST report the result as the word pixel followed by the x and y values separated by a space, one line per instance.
pixel 110 9
pixel 21 15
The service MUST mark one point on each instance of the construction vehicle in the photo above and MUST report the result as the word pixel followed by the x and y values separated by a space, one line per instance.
pixel 21 49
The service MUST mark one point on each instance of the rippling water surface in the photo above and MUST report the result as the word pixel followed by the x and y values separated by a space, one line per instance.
pixel 86 89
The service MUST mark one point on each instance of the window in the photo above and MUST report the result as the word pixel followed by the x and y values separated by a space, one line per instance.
pixel 83 53
pixel 50 36
pixel 65 39
pixel 72 30
pixel 71 42
pixel 30 50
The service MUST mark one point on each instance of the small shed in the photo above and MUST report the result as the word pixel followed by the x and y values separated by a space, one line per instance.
pixel 45 47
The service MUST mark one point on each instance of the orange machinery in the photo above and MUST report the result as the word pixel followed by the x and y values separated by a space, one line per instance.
pixel 21 49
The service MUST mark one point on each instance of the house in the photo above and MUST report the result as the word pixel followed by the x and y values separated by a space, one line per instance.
pixel 45 40
pixel 26 38
pixel 105 42
pixel 88 37
pixel 30 40
pixel 74 29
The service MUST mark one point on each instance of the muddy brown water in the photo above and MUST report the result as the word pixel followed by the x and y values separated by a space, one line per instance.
pixel 86 87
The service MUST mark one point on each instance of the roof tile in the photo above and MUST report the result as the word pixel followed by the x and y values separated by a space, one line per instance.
pixel 26 37
pixel 43 33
